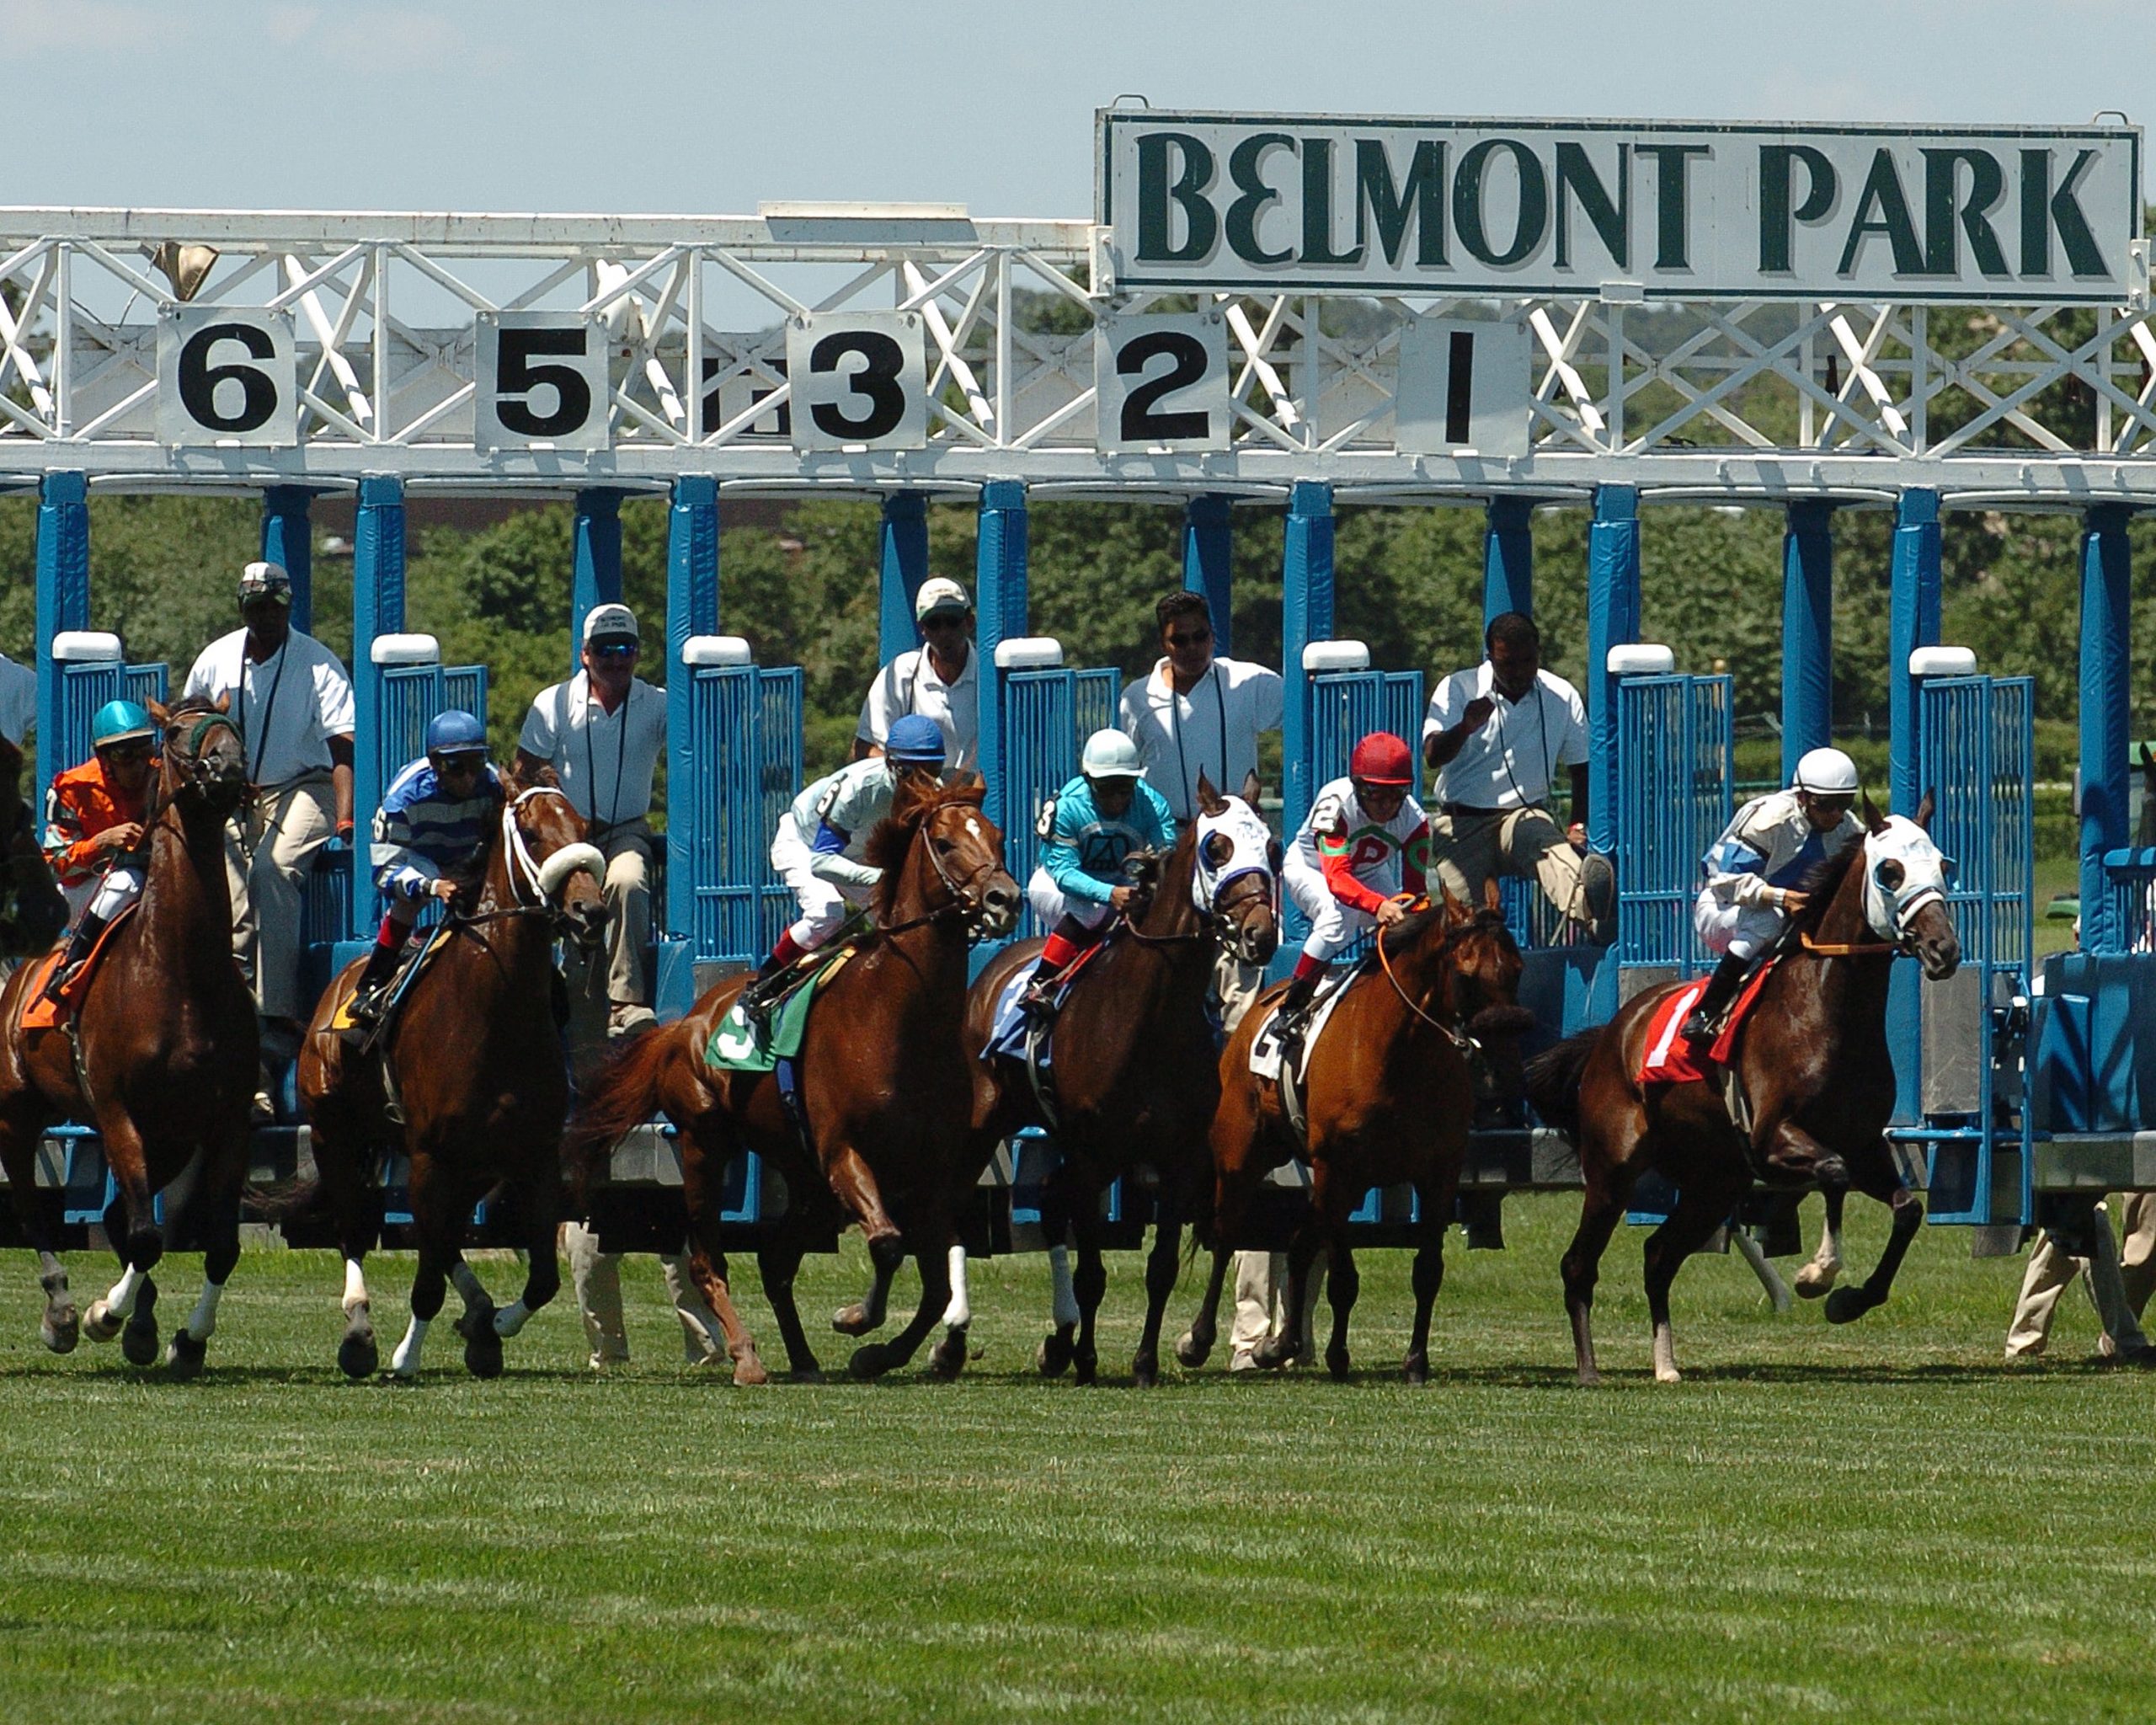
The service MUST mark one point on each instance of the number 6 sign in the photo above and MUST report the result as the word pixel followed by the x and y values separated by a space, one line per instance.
pixel 542 381
pixel 860 379
pixel 226 375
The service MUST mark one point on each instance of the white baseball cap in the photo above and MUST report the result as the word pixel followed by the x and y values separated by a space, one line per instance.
pixel 602 621
pixel 940 593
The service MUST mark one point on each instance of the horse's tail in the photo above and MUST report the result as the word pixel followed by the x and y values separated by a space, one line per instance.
pixel 1553 1079
pixel 620 1096
pixel 283 1201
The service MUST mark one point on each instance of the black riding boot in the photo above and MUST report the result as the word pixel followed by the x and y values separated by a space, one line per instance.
pixel 366 996
pixel 1295 1004
pixel 79 949
pixel 1721 989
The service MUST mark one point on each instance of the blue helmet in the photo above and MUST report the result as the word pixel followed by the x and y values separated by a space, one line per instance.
pixel 914 741
pixel 455 732
pixel 120 722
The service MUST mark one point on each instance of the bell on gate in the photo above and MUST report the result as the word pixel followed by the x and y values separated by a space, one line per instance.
pixel 185 267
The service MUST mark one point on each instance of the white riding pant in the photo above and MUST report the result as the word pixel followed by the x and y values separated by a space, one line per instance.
pixel 121 886
pixel 1741 931
pixel 1334 927
pixel 823 904
pixel 1051 904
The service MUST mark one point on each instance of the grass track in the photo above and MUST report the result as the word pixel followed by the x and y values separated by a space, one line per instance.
pixel 1875 1522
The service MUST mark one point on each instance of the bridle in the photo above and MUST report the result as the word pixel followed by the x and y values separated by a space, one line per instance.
pixel 1458 1037
pixel 533 883
pixel 1212 925
pixel 185 763
pixel 963 898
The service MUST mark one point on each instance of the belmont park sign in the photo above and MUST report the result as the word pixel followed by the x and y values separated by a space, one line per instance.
pixel 1628 210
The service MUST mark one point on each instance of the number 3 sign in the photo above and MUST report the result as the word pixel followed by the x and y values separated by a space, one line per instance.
pixel 226 375
pixel 860 379
pixel 541 382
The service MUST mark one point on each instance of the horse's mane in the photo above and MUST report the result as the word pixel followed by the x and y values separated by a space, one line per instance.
pixel 1410 933
pixel 1821 882
pixel 890 838
pixel 189 706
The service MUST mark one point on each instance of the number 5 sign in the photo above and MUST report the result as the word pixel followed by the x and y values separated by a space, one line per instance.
pixel 226 375
pixel 1161 382
pixel 860 379
pixel 542 381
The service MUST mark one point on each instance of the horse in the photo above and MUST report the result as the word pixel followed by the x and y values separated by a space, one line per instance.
pixel 33 911
pixel 881 1117
pixel 1133 1081
pixel 472 1063
pixel 1389 1093
pixel 160 1060
pixel 1816 1073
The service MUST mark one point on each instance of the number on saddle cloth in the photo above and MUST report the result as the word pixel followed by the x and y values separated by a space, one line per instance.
pixel 743 1043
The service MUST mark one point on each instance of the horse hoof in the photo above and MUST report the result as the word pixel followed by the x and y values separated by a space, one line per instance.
pixel 871 1361
pixel 1145 1372
pixel 483 1350
pixel 1084 1368
pixel 1845 1305
pixel 1813 1282
pixel 138 1342
pixel 1191 1353
pixel 1052 1358
pixel 945 1360
pixel 1268 1357
pixel 1414 1369
pixel 99 1323
pixel 1667 1374
pixel 1590 1379
pixel 750 1373
pixel 852 1320
pixel 1335 1362
pixel 61 1334
pixel 357 1355
pixel 184 1356
pixel 807 1374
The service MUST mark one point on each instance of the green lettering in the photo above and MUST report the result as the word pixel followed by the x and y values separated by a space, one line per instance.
pixel 1317 207
pixel 2042 208
pixel 1467 202
pixel 1672 202
pixel 1882 192
pixel 1186 190
pixel 1391 206
pixel 1944 224
pixel 1245 162
pixel 1777 219
pixel 1612 217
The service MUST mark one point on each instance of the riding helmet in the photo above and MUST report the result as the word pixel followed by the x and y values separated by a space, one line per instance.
pixel 1381 759
pixel 1826 772
pixel 1110 755
pixel 455 732
pixel 914 741
pixel 120 722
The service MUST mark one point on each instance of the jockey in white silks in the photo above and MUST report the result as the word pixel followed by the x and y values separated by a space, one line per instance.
pixel 1750 875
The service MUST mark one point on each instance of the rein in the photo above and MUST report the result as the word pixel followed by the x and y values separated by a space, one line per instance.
pixel 1458 1038
pixel 960 902
pixel 1850 949
pixel 523 871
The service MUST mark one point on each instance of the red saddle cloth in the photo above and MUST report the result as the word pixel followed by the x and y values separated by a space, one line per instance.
pixel 40 1013
pixel 1667 1057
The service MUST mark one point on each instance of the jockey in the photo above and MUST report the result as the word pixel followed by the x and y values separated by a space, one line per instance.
pixel 1364 839
pixel 95 817
pixel 1092 828
pixel 1751 874
pixel 819 847
pixel 433 820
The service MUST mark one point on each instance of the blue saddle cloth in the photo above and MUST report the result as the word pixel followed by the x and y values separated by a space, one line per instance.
pixel 1008 1039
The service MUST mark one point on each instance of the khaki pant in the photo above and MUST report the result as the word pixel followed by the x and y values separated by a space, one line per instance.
pixel 1526 843
pixel 2137 1252
pixel 627 887
pixel 269 853
pixel 1236 986
pixel 596 1276
pixel 1261 1282
pixel 2053 1269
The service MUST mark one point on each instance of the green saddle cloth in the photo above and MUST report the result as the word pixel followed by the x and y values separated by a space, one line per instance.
pixel 740 1044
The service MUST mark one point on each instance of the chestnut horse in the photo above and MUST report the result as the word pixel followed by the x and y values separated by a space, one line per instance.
pixel 1134 1080
pixel 160 1060
pixel 479 1077
pixel 1388 1096
pixel 1816 1075
pixel 885 1096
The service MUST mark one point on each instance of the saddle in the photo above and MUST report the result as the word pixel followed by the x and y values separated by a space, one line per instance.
pixel 1285 1060
pixel 416 958
pixel 1666 1057
pixel 40 1013
pixel 1029 1038
pixel 757 1042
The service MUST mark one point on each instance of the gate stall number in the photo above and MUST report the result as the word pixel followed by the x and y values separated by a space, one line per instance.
pixel 541 382
pixel 226 375
pixel 1161 382
pixel 860 380
pixel 1464 387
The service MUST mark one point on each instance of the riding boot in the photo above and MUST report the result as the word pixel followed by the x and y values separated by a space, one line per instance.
pixel 1066 945
pixel 382 965
pixel 1721 989
pixel 1295 1008
pixel 79 944
pixel 757 998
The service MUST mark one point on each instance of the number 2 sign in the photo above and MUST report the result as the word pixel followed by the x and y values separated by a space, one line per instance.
pixel 226 375
pixel 1161 382
pixel 542 381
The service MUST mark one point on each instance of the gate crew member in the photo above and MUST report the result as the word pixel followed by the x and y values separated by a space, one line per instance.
pixel 818 848
pixel 94 833
pixel 1496 735
pixel 602 732
pixel 18 701
pixel 1098 819
pixel 1364 840
pixel 292 702
pixel 1752 872
pixel 434 818
pixel 938 681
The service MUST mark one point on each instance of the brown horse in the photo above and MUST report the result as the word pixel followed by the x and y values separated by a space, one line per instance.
pixel 479 1078
pixel 32 913
pixel 1134 1071
pixel 1388 1096
pixel 161 1060
pixel 885 1095
pixel 1815 1069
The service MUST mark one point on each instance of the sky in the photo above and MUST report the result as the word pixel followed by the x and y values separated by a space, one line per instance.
pixel 659 106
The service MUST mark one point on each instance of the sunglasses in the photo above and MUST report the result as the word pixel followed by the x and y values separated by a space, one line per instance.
pixel 139 750
pixel 944 620
pixel 614 649
pixel 460 765
pixel 1196 638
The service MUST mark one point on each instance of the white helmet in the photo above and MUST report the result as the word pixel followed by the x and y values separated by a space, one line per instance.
pixel 1110 754
pixel 1826 772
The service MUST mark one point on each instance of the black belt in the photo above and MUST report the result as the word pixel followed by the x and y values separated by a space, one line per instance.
pixel 1459 809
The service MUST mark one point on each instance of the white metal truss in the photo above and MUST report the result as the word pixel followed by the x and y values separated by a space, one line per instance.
pixel 2044 405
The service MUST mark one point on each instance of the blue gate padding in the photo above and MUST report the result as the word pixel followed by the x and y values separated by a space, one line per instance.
pixel 86 685
pixel 1345 707
pixel 1046 714
pixel 746 726
pixel 1674 799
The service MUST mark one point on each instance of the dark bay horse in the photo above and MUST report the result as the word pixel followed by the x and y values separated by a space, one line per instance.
pixel 1816 1075
pixel 479 1078
pixel 1388 1096
pixel 161 1062
pixel 885 1098
pixel 32 913
pixel 1134 1080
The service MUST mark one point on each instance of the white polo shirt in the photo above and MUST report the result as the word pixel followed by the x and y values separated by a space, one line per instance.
pixel 1213 729
pixel 1510 763
pixel 287 707
pixel 909 684
pixel 18 700
pixel 604 760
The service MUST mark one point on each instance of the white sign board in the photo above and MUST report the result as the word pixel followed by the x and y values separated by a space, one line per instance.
pixel 1161 382
pixel 226 375
pixel 1464 387
pixel 1515 208
pixel 859 380
pixel 542 381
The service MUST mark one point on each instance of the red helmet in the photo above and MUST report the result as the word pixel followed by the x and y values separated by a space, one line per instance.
pixel 1381 759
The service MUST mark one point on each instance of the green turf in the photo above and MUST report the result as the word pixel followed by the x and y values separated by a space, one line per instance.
pixel 1874 1523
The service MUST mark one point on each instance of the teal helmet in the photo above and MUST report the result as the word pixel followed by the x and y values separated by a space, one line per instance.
pixel 120 722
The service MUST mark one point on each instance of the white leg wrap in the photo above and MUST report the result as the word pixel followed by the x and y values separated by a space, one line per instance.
pixel 1665 1355
pixel 510 1319
pixel 469 1285
pixel 405 1361
pixel 120 1299
pixel 959 1312
pixel 1064 1305
pixel 202 1321
pixel 355 1287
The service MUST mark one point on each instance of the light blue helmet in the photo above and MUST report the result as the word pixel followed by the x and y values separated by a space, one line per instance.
pixel 120 722
pixel 914 741
pixel 455 732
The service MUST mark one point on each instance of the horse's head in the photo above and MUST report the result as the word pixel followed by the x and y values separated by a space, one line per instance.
pixel 1236 882
pixel 1905 880
pixel 32 912
pixel 549 861
pixel 205 763
pixel 1477 983
pixel 964 850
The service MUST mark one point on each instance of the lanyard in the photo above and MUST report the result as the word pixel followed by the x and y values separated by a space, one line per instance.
pixel 1175 721
pixel 269 707
pixel 620 754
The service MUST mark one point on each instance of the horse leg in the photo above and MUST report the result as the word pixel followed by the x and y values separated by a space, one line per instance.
pixel 1088 1282
pixel 1816 1277
pixel 1161 1266
pixel 219 1189
pixel 1053 1356
pixel 437 1252
pixel 854 1185
pixel 60 1327
pixel 708 1264
pixel 1285 1344
pixel 1686 1229
pixel 777 1264
pixel 947 1358
pixel 1342 1284
pixel 872 1360
pixel 867 1313
pixel 132 1301
pixel 538 1197
pixel 340 1157
pixel 1429 1276
pixel 1846 1305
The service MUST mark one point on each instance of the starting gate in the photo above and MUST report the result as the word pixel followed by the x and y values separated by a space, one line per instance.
pixel 746 724
pixel 1046 711
pixel 1674 796
pixel 413 686
pixel 91 672
pixel 1347 701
